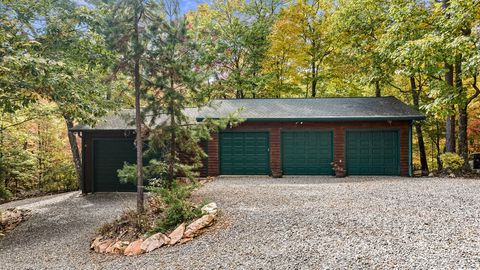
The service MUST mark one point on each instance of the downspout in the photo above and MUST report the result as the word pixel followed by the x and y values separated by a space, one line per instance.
pixel 410 148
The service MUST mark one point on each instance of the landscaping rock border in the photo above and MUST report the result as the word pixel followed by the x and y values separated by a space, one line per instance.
pixel 180 235
pixel 11 218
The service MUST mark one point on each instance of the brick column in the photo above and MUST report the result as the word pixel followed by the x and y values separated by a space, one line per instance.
pixel 213 160
pixel 404 162
pixel 275 155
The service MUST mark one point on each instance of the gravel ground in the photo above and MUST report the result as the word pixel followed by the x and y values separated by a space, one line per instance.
pixel 288 223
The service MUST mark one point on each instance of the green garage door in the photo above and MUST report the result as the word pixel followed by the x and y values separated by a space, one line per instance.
pixel 307 152
pixel 372 153
pixel 244 153
pixel 109 156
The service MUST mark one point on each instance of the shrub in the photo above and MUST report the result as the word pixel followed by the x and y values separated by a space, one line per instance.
pixel 128 174
pixel 60 176
pixel 153 172
pixel 451 161
pixel 178 208
pixel 129 225
pixel 5 194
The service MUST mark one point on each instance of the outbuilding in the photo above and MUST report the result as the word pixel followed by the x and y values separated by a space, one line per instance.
pixel 288 136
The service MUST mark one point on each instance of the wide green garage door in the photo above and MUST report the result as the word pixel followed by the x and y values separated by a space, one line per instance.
pixel 372 152
pixel 109 156
pixel 244 153
pixel 307 152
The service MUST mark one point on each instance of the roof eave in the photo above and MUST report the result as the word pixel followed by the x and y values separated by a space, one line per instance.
pixel 95 129
pixel 326 119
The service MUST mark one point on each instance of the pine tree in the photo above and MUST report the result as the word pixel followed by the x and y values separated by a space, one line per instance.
pixel 125 29
pixel 177 80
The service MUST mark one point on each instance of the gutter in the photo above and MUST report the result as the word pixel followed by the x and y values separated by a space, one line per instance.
pixel 326 119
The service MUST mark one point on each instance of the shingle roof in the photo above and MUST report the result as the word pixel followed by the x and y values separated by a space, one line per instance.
pixel 312 109
pixel 125 120
pixel 284 109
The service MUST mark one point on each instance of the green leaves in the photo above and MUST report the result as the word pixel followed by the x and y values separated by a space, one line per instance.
pixel 33 151
pixel 234 35
pixel 50 51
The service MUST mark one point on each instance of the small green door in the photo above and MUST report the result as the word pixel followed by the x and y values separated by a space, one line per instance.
pixel 109 156
pixel 307 152
pixel 372 152
pixel 244 153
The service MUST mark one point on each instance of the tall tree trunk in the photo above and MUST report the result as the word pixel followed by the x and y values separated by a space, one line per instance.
pixel 437 144
pixel 314 80
pixel 3 177
pixel 171 165
pixel 418 127
pixel 77 160
pixel 378 92
pixel 138 120
pixel 450 134
pixel 240 94
pixel 462 134
pixel 40 161
pixel 450 121
pixel 462 115
pixel 463 107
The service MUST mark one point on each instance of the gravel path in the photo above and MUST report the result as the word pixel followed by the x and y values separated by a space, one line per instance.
pixel 56 236
pixel 288 223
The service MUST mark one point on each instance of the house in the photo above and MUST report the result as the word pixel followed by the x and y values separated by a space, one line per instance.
pixel 291 136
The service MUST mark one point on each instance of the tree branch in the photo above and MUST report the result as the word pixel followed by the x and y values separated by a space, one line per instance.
pixel 398 88
pixel 477 90
pixel 2 128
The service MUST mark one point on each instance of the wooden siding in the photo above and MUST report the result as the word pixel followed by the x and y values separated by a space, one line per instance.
pixel 339 128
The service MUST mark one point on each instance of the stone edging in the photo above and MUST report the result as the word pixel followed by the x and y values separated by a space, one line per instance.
pixel 180 235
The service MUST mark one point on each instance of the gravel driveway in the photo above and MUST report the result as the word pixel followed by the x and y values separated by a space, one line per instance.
pixel 288 223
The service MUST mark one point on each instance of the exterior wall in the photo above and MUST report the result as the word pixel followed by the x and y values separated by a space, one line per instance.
pixel 339 130
pixel 204 169
pixel 212 166
pixel 212 151
pixel 86 147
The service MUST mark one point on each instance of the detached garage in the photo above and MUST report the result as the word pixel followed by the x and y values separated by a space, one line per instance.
pixel 295 136
pixel 369 135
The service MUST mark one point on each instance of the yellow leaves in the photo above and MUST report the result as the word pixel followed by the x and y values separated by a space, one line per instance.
pixel 299 38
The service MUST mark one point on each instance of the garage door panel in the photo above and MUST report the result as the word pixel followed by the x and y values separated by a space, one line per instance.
pixel 306 152
pixel 109 156
pixel 244 153
pixel 372 152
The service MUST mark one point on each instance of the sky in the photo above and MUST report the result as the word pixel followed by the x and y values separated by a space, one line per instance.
pixel 185 5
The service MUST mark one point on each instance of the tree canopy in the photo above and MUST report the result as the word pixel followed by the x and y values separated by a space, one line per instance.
pixel 83 60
